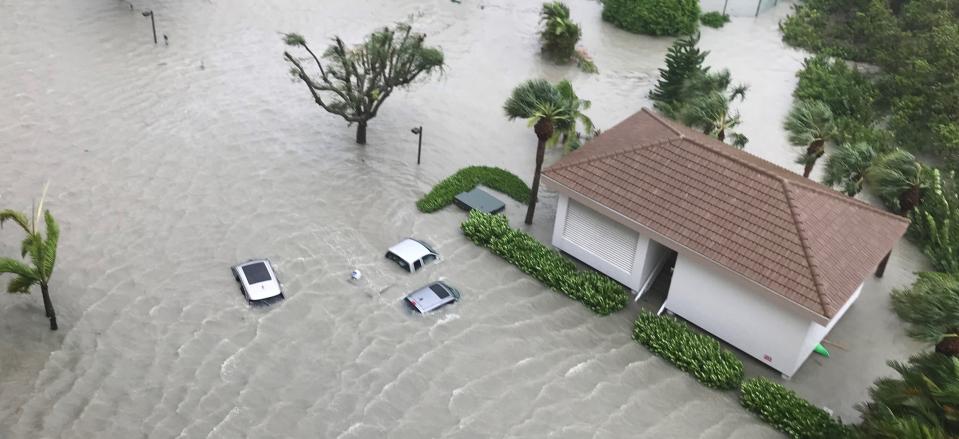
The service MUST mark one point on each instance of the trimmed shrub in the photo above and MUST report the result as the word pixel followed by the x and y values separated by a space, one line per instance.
pixel 466 179
pixel 690 351
pixel 599 293
pixel 714 19
pixel 653 17
pixel 783 409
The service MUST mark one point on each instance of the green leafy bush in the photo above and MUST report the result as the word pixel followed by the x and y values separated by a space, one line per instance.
pixel 714 19
pixel 935 224
pixel 847 92
pixel 653 17
pixel 466 179
pixel 789 413
pixel 690 351
pixel 599 293
pixel 559 33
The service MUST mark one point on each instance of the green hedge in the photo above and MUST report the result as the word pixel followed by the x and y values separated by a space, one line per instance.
pixel 653 17
pixel 691 351
pixel 714 19
pixel 598 292
pixel 783 409
pixel 468 178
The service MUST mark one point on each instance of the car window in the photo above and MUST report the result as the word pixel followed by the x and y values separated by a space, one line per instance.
pixel 256 273
pixel 429 258
pixel 440 291
pixel 417 265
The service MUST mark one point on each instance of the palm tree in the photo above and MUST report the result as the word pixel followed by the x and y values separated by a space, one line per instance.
pixel 43 256
pixel 931 308
pixel 899 180
pixel 560 33
pixel 710 108
pixel 549 112
pixel 810 124
pixel 848 166
pixel 570 139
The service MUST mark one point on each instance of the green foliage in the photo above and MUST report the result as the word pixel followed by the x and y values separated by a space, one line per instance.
pixel 537 100
pixel 900 180
pixel 935 225
pixel 693 352
pixel 848 166
pixel 916 46
pixel 599 293
pixel 810 125
pixel 930 306
pixel 559 34
pixel 39 250
pixel 847 92
pixel 466 179
pixel 354 82
pixel 709 106
pixel 789 413
pixel 925 393
pixel 714 19
pixel 683 61
pixel 653 17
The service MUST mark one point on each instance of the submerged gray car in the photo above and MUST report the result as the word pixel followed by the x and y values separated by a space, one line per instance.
pixel 432 297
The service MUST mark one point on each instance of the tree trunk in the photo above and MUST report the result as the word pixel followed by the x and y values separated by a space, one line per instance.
pixel 909 199
pixel 949 345
pixel 48 306
pixel 544 130
pixel 534 189
pixel 881 269
pixel 361 132
pixel 721 135
pixel 815 150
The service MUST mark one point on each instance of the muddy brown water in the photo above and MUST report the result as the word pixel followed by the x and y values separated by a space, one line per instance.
pixel 167 164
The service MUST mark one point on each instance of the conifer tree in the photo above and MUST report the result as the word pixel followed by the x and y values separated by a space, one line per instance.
pixel 683 61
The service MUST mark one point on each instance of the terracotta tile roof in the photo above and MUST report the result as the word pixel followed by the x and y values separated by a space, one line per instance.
pixel 799 239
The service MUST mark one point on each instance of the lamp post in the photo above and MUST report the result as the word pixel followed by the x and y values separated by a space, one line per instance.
pixel 419 149
pixel 149 13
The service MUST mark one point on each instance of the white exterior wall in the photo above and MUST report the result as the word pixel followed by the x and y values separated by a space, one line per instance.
pixel 647 255
pixel 739 313
pixel 817 332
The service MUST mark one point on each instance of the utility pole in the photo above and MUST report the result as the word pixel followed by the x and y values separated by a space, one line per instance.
pixel 149 13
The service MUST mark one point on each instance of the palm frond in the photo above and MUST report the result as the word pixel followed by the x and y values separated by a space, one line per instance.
pixel 49 247
pixel 13 266
pixel 17 217
pixel 21 285
pixel 809 121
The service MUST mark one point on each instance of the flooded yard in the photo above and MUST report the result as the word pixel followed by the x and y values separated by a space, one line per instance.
pixel 170 163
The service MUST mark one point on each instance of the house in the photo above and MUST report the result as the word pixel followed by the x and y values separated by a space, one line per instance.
pixel 765 259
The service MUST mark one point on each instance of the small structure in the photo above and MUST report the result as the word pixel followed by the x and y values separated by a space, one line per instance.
pixel 737 8
pixel 766 260
pixel 478 199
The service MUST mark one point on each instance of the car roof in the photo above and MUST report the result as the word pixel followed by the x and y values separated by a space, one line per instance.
pixel 260 290
pixel 410 250
pixel 432 296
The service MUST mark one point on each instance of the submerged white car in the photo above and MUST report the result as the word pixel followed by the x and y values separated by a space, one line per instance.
pixel 258 281
pixel 411 254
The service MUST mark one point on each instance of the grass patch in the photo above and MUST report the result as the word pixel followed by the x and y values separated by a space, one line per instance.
pixel 695 353
pixel 466 179
pixel 598 292
pixel 783 409
pixel 714 19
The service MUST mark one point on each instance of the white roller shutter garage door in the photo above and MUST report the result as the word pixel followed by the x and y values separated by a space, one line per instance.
pixel 601 236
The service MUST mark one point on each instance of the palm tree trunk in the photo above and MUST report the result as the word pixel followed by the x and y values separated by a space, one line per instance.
pixel 909 199
pixel 949 345
pixel 361 133
pixel 48 306
pixel 534 189
pixel 721 135
pixel 815 150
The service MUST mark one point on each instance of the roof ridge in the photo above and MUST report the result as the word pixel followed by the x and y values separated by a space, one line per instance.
pixel 663 121
pixel 804 243
pixel 608 154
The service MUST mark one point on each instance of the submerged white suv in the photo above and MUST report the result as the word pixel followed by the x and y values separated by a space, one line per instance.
pixel 258 281
pixel 411 254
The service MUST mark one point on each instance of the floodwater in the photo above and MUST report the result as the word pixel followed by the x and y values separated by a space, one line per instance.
pixel 168 164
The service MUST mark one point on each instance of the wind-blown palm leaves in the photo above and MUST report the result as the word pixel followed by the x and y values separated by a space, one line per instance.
pixel 810 125
pixel 847 167
pixel 560 33
pixel 552 111
pixel 710 108
pixel 41 252
pixel 899 180
pixel 926 391
pixel 354 82
pixel 931 308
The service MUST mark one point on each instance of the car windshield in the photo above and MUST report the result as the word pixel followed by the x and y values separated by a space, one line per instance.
pixel 440 291
pixel 256 273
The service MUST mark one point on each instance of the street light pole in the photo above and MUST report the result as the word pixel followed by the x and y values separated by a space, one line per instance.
pixel 419 149
pixel 149 13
